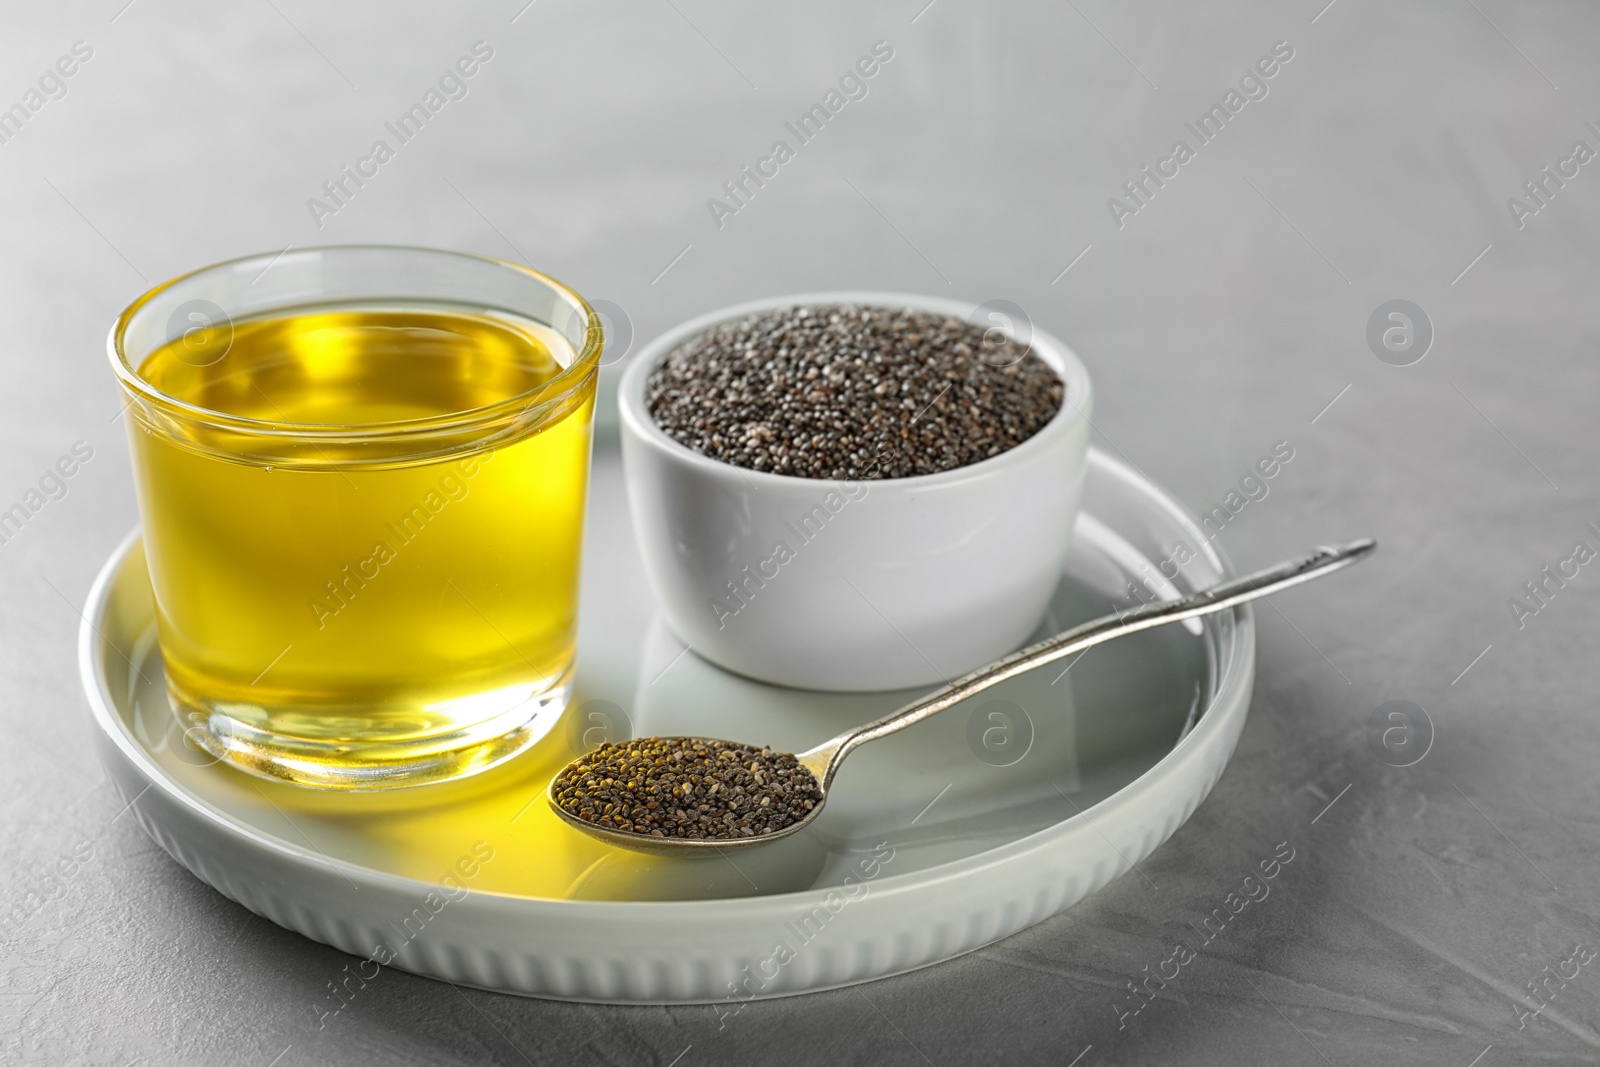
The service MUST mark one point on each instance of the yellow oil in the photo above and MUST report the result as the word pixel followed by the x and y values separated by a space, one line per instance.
pixel 357 608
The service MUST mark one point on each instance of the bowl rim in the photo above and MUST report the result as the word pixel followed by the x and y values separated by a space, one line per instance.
pixel 1076 403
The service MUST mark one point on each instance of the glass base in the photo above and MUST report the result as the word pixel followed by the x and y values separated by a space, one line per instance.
pixel 379 764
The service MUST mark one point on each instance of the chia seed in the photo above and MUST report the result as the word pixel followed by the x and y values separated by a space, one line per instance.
pixel 846 392
pixel 687 787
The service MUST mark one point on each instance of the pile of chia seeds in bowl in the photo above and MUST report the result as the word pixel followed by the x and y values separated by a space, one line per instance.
pixel 687 787
pixel 848 392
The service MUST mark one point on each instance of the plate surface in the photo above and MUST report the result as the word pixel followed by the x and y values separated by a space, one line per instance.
pixel 984 820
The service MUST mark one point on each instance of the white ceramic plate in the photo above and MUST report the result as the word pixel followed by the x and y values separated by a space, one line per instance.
pixel 935 842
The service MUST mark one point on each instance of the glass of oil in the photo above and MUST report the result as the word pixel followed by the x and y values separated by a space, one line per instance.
pixel 361 475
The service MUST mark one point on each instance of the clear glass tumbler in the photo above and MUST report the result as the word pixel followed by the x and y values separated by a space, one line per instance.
pixel 361 475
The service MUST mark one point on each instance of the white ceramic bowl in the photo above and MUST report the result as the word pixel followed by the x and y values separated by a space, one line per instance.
pixel 881 584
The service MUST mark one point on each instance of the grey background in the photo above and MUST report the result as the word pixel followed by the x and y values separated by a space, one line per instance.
pixel 1227 315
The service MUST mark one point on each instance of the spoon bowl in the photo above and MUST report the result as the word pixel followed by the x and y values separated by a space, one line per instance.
pixel 814 760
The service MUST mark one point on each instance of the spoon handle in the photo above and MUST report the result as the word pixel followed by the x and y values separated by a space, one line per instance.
pixel 824 760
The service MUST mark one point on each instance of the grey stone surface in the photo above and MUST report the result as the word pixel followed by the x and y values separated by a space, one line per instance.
pixel 1227 314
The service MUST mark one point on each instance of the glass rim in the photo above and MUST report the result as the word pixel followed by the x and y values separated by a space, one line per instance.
pixel 584 362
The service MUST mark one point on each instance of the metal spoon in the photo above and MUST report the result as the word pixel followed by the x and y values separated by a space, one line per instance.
pixel 823 761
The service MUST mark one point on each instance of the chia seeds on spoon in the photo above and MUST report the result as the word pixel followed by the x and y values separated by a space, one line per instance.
pixel 846 392
pixel 687 787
